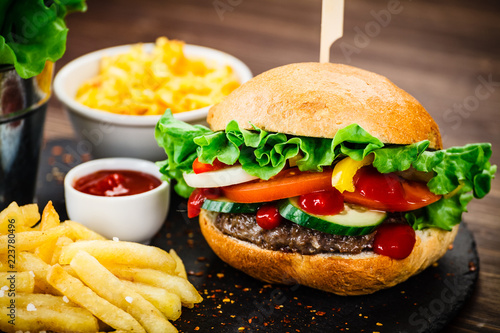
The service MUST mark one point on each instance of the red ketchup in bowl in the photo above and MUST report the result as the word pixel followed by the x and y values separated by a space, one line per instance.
pixel 113 183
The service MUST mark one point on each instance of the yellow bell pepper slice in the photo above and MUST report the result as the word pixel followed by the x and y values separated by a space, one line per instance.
pixel 344 171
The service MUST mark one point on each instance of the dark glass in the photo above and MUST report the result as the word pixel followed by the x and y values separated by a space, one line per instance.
pixel 23 105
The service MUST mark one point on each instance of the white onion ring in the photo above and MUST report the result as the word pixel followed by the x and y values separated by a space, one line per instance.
pixel 219 178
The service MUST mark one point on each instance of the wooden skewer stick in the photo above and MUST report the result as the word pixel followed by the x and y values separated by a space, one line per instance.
pixel 332 26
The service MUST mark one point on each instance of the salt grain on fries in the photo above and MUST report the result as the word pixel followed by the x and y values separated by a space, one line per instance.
pixel 70 278
pixel 141 83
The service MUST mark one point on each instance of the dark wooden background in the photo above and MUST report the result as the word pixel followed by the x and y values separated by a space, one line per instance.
pixel 442 52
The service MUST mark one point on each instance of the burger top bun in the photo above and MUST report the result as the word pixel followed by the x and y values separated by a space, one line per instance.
pixel 318 99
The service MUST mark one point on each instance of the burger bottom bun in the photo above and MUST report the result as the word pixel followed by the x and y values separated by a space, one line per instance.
pixel 342 274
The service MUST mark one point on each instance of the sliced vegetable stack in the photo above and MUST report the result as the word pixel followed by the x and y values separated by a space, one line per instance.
pixel 344 186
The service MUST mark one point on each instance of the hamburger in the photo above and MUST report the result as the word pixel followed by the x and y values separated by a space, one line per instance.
pixel 325 175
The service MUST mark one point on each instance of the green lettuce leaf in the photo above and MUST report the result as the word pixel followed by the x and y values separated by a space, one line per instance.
pixel 176 137
pixel 464 168
pixel 453 167
pixel 463 171
pixel 355 142
pixel 447 212
pixel 265 154
pixel 33 32
pixel 398 158
pixel 443 214
pixel 458 165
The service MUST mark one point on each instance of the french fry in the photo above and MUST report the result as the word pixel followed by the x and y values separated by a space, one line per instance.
pixel 22 282
pixel 70 270
pixel 30 214
pixel 30 240
pixel 76 291
pixel 180 270
pixel 108 286
pixel 171 283
pixel 46 250
pixel 81 232
pixel 38 300
pixel 27 262
pixel 50 218
pixel 63 319
pixel 19 219
pixel 168 303
pixel 125 253
pixel 9 214
pixel 61 242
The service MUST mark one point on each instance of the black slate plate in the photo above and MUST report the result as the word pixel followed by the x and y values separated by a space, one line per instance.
pixel 235 302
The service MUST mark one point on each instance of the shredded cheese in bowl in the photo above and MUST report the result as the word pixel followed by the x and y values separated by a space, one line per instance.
pixel 147 83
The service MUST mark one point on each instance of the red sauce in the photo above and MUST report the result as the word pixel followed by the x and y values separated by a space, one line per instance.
pixel 394 240
pixel 268 217
pixel 197 198
pixel 328 202
pixel 388 191
pixel 384 187
pixel 113 183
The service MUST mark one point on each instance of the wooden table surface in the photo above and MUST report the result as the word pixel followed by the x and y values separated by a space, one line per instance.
pixel 445 53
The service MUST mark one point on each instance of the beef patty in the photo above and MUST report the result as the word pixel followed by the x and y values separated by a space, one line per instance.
pixel 289 236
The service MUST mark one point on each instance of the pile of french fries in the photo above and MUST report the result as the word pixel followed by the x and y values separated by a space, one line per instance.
pixel 63 277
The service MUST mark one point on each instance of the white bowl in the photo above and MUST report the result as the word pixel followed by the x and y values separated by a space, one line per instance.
pixel 134 218
pixel 105 134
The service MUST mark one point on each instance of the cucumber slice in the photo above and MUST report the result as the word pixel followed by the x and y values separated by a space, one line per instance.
pixel 226 206
pixel 350 222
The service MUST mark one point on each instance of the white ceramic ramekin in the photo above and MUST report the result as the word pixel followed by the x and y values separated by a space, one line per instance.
pixel 135 217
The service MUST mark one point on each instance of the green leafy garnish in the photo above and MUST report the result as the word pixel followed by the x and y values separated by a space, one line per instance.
pixel 463 171
pixel 33 32
pixel 176 137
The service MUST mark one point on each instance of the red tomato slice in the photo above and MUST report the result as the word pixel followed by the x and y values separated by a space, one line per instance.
pixel 288 183
pixel 199 167
pixel 197 198
pixel 388 192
